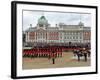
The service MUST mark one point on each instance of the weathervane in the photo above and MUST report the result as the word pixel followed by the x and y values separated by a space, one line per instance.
pixel 30 25
pixel 80 17
pixel 42 13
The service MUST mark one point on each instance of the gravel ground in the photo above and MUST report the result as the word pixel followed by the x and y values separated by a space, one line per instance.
pixel 67 60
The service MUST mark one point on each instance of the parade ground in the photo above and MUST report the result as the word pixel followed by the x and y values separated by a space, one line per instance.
pixel 67 60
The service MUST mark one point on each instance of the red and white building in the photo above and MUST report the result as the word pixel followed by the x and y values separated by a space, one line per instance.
pixel 60 33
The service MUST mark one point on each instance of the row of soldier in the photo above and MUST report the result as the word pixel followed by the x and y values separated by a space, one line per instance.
pixel 53 52
pixel 42 52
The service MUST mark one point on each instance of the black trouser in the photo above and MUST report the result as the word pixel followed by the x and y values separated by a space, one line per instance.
pixel 53 60
pixel 78 57
pixel 85 56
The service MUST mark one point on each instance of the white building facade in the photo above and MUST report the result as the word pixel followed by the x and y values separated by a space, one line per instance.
pixel 60 33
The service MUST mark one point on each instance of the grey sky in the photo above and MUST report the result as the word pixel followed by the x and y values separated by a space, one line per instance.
pixel 31 17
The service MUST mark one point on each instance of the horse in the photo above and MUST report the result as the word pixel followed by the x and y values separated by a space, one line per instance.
pixel 81 53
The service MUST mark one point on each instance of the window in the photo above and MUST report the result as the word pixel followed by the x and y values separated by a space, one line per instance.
pixel 80 37
pixel 73 37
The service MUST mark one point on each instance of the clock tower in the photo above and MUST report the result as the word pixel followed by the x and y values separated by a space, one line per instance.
pixel 42 23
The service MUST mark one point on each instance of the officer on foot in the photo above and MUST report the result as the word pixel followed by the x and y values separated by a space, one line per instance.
pixel 53 57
